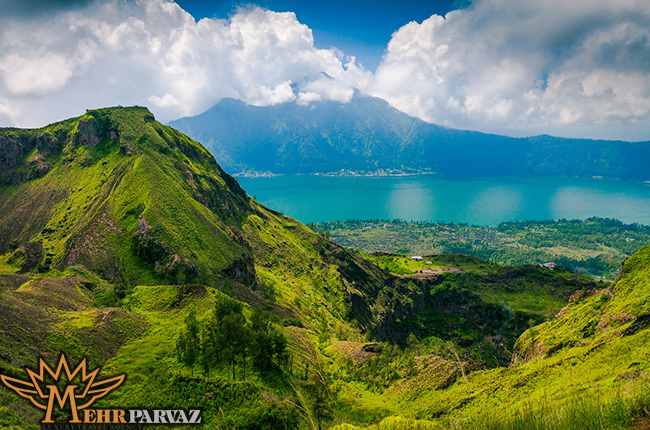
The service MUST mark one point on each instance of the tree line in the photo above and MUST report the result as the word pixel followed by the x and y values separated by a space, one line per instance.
pixel 227 337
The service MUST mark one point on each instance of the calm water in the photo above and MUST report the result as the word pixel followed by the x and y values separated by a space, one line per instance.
pixel 422 198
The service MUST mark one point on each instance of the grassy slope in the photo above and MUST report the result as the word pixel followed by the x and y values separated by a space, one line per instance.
pixel 96 198
pixel 583 369
pixel 86 211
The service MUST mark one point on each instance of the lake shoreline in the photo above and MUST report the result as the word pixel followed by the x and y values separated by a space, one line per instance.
pixel 375 175
pixel 477 201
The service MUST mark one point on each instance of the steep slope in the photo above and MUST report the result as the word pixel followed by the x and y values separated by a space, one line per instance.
pixel 595 317
pixel 117 197
pixel 368 134
pixel 114 227
pixel 588 367
pixel 119 194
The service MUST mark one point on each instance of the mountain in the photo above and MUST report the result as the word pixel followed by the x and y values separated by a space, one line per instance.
pixel 113 228
pixel 116 194
pixel 119 236
pixel 368 134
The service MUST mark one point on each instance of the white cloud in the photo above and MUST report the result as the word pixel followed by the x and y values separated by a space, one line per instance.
pixel 165 101
pixel 6 115
pixel 555 66
pixel 282 93
pixel 533 65
pixel 305 99
pixel 36 75
pixel 152 52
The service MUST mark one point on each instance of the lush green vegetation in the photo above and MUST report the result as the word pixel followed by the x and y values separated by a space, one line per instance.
pixel 595 246
pixel 227 337
pixel 125 243
pixel 121 205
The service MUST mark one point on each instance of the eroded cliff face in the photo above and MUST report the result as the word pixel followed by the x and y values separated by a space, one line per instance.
pixel 27 156
pixel 243 271
pixel 87 132
pixel 13 149
pixel 30 154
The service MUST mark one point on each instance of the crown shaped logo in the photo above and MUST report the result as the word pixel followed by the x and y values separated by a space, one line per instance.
pixel 45 399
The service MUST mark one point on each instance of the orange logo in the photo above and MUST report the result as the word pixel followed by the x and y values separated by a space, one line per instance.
pixel 44 396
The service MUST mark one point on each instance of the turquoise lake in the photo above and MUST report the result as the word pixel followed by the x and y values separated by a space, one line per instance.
pixel 429 198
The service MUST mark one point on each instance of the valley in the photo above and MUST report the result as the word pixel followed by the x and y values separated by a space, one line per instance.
pixel 595 247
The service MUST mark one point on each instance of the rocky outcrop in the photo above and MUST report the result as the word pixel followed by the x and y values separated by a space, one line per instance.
pixel 371 347
pixel 36 167
pixel 242 271
pixel 32 254
pixel 147 246
pixel 14 169
pixel 641 322
pixel 87 132
pixel 179 270
pixel 48 145
pixel 125 148
pixel 174 268
pixel 582 294
pixel 92 129
pixel 12 152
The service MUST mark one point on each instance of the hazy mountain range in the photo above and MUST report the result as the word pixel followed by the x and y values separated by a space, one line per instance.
pixel 368 134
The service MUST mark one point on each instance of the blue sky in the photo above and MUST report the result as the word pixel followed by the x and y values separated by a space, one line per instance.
pixel 359 28
pixel 574 68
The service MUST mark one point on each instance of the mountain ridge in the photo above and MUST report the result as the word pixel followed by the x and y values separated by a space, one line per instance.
pixel 116 231
pixel 368 134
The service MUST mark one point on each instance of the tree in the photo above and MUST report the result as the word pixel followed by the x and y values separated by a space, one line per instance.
pixel 188 344
pixel 269 346
pixel 209 348
pixel 235 337
pixel 230 332
pixel 230 337
pixel 225 306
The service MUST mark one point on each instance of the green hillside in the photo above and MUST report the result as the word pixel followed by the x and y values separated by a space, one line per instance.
pixel 117 203
pixel 124 242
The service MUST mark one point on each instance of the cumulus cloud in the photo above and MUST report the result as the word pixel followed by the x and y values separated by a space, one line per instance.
pixel 553 66
pixel 153 53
